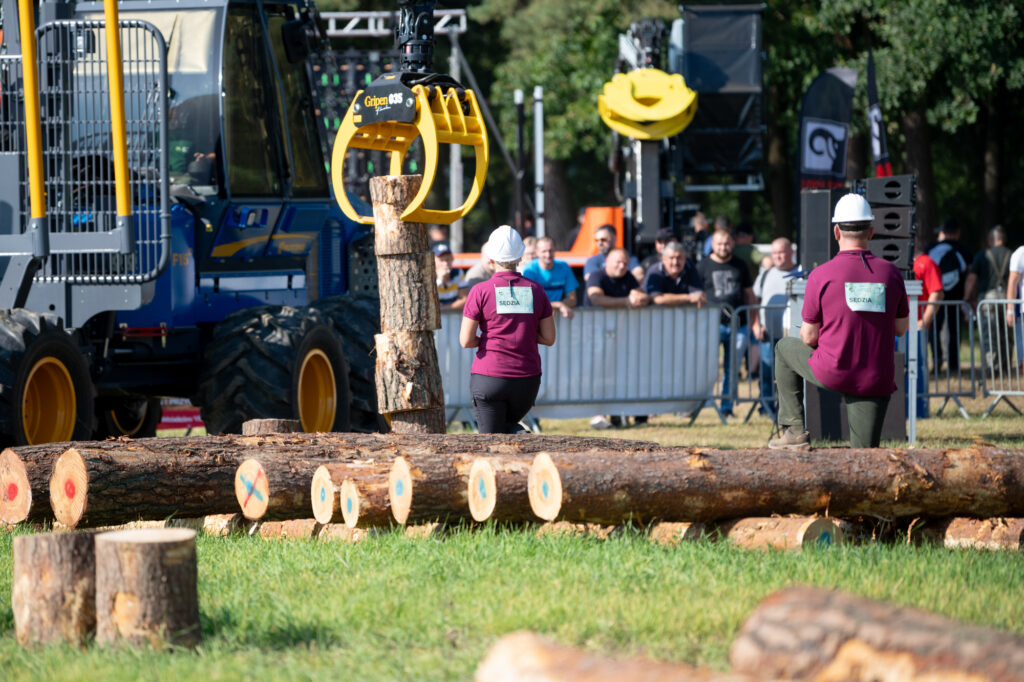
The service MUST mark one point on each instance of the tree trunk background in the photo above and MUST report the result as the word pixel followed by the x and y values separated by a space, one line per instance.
pixel 780 172
pixel 991 214
pixel 811 633
pixel 559 211
pixel 54 588
pixel 146 588
pixel 919 163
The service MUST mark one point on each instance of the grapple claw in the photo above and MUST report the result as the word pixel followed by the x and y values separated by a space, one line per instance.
pixel 647 104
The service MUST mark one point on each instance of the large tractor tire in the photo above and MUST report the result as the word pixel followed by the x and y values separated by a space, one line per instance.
pixel 274 362
pixel 355 319
pixel 46 393
pixel 132 416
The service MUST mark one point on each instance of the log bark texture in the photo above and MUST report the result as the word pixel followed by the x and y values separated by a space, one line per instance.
pixel 292 528
pixel 337 492
pixel 429 420
pixel 497 489
pixel 54 588
pixel 392 236
pixel 694 484
pixel 410 284
pixel 527 656
pixel 25 482
pixel 430 488
pixel 965 533
pixel 670 534
pixel 146 588
pixel 408 376
pixel 811 633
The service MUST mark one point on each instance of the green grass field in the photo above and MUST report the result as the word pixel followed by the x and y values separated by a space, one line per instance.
pixel 395 608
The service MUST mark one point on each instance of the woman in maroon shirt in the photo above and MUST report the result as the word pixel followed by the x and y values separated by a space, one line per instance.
pixel 512 315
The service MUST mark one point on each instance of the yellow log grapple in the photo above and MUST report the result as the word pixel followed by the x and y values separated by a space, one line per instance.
pixel 397 108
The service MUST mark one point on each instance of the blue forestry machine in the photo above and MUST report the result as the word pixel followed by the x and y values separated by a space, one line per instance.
pixel 164 221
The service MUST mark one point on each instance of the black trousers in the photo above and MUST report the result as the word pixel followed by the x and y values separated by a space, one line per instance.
pixel 499 403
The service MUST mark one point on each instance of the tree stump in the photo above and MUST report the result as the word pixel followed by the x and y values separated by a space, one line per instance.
pixel 263 427
pixel 407 375
pixel 807 633
pixel 54 588
pixel 146 588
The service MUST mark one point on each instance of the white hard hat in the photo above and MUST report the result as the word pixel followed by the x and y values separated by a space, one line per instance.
pixel 504 245
pixel 852 208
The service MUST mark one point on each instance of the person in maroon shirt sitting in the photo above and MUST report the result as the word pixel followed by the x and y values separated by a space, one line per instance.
pixel 854 307
pixel 512 315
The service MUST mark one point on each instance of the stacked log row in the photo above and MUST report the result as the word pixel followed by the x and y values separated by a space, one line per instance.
pixel 409 391
pixel 25 482
pixel 993 534
pixel 706 485
pixel 354 493
pixel 815 634
pixel 777 533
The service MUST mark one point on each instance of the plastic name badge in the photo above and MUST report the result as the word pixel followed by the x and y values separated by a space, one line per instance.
pixel 865 297
pixel 513 300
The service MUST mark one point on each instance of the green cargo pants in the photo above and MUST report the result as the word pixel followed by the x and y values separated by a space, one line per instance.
pixel 865 415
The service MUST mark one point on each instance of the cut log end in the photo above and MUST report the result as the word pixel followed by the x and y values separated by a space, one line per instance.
pixel 263 427
pixel 69 488
pixel 252 490
pixel 483 492
pixel 348 500
pixel 15 490
pixel 323 495
pixel 544 486
pixel 400 489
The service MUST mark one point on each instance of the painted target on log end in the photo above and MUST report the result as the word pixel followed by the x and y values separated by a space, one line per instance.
pixel 322 495
pixel 821 533
pixel 69 488
pixel 400 489
pixel 348 500
pixel 544 486
pixel 15 492
pixel 252 490
pixel 482 490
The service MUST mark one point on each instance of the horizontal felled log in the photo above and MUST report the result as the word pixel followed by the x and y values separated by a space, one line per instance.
pixel 527 656
pixel 815 634
pixel 694 484
pixel 344 492
pixel 497 489
pixel 965 533
pixel 781 533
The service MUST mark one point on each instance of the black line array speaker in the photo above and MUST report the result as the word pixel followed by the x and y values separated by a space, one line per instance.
pixel 894 221
pixel 826 411
pixel 817 244
pixel 899 252
pixel 895 190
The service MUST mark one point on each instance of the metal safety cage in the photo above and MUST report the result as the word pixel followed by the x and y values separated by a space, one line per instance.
pixel 86 247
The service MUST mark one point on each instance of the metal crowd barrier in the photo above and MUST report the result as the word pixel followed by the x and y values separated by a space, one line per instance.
pixel 652 360
pixel 1001 351
pixel 758 390
pixel 948 378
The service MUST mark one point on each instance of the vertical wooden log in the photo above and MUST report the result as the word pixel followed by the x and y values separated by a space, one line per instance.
pixel 54 590
pixel 146 588
pixel 407 374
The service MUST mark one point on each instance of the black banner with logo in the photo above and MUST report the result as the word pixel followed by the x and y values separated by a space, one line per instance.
pixel 879 149
pixel 825 128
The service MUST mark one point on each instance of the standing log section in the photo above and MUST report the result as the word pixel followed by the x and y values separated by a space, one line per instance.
pixel 408 377
pixel 25 482
pixel 54 589
pixel 814 634
pixel 146 588
pixel 693 484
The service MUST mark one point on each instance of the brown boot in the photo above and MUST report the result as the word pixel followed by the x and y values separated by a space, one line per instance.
pixel 791 441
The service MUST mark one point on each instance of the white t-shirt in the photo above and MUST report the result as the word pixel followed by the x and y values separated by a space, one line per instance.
pixel 1017 265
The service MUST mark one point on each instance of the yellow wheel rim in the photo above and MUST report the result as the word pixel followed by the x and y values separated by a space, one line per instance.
pixel 129 429
pixel 317 393
pixel 48 406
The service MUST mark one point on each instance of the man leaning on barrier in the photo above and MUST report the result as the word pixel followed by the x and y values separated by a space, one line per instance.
pixel 674 281
pixel 854 307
